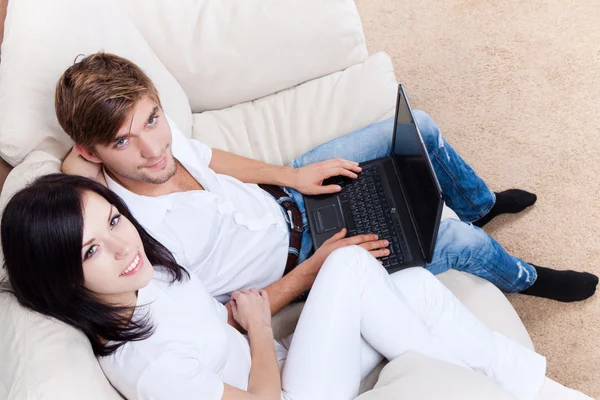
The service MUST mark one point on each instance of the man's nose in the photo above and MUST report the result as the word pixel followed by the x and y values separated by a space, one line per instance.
pixel 149 148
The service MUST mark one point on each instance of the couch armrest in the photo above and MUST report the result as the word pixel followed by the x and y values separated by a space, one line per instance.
pixel 414 376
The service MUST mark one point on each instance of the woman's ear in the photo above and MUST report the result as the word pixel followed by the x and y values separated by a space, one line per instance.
pixel 87 154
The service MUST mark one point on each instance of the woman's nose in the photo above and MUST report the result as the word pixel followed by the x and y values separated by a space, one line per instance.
pixel 122 248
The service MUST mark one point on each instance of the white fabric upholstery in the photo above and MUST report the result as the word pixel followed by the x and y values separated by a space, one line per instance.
pixel 221 56
pixel 42 39
pixel 282 126
pixel 229 52
pixel 415 376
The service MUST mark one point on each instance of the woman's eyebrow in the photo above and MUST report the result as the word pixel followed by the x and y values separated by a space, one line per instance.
pixel 109 215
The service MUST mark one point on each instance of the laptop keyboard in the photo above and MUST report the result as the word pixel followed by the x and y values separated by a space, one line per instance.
pixel 370 213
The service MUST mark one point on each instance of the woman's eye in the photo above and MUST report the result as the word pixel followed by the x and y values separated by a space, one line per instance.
pixel 91 251
pixel 121 142
pixel 115 221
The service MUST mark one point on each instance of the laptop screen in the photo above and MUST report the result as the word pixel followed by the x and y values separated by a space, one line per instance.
pixel 415 171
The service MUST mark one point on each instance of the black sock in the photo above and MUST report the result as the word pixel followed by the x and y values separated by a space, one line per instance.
pixel 566 286
pixel 510 201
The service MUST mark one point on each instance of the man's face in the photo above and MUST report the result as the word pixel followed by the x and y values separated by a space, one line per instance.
pixel 141 151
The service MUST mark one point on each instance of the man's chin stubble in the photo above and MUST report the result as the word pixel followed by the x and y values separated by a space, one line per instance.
pixel 160 180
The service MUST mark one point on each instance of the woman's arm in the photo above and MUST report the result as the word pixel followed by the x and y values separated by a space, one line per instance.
pixel 264 381
pixel 252 312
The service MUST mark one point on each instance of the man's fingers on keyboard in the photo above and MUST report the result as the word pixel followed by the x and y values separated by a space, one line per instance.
pixel 380 253
pixel 375 244
pixel 345 172
pixel 359 239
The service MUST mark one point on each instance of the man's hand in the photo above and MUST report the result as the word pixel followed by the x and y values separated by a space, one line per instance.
pixel 370 242
pixel 309 179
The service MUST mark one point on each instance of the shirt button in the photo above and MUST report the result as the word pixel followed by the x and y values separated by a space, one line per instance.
pixel 216 200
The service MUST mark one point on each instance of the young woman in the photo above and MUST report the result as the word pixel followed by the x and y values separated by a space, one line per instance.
pixel 73 251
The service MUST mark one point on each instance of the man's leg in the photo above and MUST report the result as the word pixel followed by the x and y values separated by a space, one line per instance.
pixel 470 249
pixel 463 190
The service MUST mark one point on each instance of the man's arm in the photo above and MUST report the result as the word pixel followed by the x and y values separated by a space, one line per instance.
pixel 306 180
pixel 300 279
pixel 251 171
pixel 284 291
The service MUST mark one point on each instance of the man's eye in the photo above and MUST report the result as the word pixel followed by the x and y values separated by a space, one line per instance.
pixel 115 221
pixel 91 251
pixel 152 120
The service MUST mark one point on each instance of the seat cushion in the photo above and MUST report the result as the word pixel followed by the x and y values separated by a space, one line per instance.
pixel 280 127
pixel 42 39
pixel 228 52
pixel 414 376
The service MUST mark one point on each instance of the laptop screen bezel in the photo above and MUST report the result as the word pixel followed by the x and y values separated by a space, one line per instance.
pixel 427 253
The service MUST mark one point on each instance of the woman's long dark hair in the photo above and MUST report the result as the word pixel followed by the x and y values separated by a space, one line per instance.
pixel 42 234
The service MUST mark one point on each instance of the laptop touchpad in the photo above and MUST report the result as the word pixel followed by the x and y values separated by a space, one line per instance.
pixel 327 218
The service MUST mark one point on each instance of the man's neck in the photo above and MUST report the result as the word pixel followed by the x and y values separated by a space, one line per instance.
pixel 181 181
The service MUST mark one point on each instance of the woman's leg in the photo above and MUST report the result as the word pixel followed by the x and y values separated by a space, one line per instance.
pixel 354 297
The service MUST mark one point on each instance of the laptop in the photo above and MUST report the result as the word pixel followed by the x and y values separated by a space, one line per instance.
pixel 397 197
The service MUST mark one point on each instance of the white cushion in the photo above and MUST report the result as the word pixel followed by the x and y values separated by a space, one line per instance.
pixel 280 127
pixel 227 52
pixel 42 39
pixel 45 359
pixel 414 376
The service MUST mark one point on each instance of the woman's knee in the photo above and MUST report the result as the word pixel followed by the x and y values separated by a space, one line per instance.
pixel 349 259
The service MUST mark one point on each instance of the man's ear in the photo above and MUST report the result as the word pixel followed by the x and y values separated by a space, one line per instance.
pixel 88 154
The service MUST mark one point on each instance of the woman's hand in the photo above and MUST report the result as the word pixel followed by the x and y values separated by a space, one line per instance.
pixel 251 308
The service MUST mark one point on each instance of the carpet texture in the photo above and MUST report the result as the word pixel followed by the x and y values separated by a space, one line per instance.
pixel 515 87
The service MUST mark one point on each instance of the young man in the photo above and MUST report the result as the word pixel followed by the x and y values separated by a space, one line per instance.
pixel 203 205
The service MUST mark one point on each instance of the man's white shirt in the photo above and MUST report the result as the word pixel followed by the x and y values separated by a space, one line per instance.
pixel 232 235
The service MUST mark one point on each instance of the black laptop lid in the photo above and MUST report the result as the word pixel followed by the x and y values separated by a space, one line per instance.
pixel 422 188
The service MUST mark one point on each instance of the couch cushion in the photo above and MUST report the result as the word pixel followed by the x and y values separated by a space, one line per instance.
pixel 227 52
pixel 42 39
pixel 414 376
pixel 282 126
pixel 43 358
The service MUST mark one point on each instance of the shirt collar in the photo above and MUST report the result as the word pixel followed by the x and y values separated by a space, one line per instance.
pixel 149 211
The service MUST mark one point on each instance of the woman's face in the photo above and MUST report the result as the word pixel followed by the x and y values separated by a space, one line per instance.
pixel 114 263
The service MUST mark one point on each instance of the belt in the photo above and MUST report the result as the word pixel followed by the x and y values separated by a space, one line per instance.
pixel 285 200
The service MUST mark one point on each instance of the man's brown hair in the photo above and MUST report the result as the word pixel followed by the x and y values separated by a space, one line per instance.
pixel 95 95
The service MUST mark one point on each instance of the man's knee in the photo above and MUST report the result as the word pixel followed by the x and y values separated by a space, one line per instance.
pixel 429 130
pixel 455 236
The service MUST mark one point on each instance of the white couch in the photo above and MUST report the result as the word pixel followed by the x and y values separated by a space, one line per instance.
pixel 268 79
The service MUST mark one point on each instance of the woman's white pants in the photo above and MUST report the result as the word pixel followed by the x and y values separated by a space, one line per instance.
pixel 357 313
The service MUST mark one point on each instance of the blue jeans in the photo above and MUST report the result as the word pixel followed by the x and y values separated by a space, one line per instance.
pixel 459 244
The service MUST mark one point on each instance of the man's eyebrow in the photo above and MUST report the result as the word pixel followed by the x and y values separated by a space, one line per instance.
pixel 127 135
pixel 153 113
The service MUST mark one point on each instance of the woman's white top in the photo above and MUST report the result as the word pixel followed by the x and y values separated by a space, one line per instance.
pixel 192 351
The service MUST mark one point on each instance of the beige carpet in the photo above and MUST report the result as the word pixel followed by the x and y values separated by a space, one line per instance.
pixel 515 87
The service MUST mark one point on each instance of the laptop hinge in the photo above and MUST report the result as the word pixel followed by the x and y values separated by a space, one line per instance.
pixel 409 209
